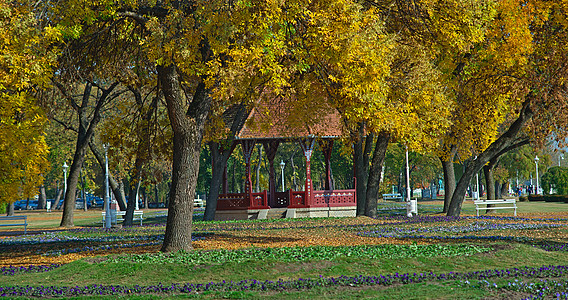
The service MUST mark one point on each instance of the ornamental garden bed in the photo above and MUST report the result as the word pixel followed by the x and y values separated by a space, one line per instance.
pixel 392 256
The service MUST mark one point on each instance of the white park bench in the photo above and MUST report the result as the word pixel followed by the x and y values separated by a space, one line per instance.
pixel 15 221
pixel 138 216
pixel 198 202
pixel 395 196
pixel 509 204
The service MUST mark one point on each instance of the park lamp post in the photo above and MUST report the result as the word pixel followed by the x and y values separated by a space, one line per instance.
pixel 476 184
pixel 107 196
pixel 560 157
pixel 536 159
pixel 65 166
pixel 282 165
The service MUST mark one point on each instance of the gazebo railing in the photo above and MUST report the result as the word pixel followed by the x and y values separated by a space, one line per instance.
pixel 297 199
pixel 233 201
pixel 335 198
pixel 291 199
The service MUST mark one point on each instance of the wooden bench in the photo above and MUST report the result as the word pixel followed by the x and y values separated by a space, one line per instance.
pixel 395 196
pixel 138 216
pixel 510 204
pixel 15 221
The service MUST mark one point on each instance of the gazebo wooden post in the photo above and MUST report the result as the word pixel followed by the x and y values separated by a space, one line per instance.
pixel 271 147
pixel 327 147
pixel 248 147
pixel 308 147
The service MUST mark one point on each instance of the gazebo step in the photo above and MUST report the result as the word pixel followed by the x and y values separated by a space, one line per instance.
pixel 276 213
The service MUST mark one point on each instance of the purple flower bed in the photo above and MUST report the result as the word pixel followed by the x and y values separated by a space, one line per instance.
pixel 280 285
pixel 11 270
pixel 541 289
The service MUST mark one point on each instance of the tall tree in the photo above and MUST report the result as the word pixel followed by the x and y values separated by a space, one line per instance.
pixel 25 69
pixel 88 119
pixel 533 72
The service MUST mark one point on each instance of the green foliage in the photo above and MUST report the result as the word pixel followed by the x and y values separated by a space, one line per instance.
pixel 296 254
pixel 556 178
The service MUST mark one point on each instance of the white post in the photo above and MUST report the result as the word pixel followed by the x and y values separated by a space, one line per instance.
pixel 407 178
pixel 536 162
pixel 477 186
pixel 282 165
pixel 107 195
pixel 65 166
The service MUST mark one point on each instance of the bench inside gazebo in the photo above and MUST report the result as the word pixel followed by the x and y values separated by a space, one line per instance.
pixel 296 204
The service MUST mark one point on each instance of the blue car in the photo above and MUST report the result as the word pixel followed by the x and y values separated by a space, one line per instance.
pixel 20 204
pixel 25 204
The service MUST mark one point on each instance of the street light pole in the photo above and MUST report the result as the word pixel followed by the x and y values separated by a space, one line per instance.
pixel 282 165
pixel 536 162
pixel 107 195
pixel 407 177
pixel 477 186
pixel 65 166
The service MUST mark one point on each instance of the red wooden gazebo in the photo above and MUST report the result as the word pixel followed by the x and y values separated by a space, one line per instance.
pixel 274 122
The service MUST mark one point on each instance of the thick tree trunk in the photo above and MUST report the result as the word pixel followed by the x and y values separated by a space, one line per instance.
pixel 135 178
pixel 490 183
pixel 449 177
pixel 504 189
pixel 504 142
pixel 488 172
pixel 57 198
pixel 42 198
pixel 220 153
pixel 374 179
pixel 187 126
pixel 219 159
pixel 361 157
pixel 10 209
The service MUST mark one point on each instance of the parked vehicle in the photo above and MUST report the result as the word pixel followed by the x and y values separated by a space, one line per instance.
pixel 20 204
pixel 25 204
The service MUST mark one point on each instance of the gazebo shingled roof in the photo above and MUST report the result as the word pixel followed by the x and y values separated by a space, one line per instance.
pixel 286 118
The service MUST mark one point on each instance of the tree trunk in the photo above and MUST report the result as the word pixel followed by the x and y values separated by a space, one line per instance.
pixel 85 133
pixel 142 150
pixel 220 153
pixel 187 126
pixel 83 193
pixel 490 183
pixel 10 209
pixel 361 157
pixel 42 198
pixel 372 195
pixel 504 142
pixel 57 198
pixel 449 177
pixel 115 187
pixel 294 181
pixel 135 179
pixel 219 159
pixel 504 188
